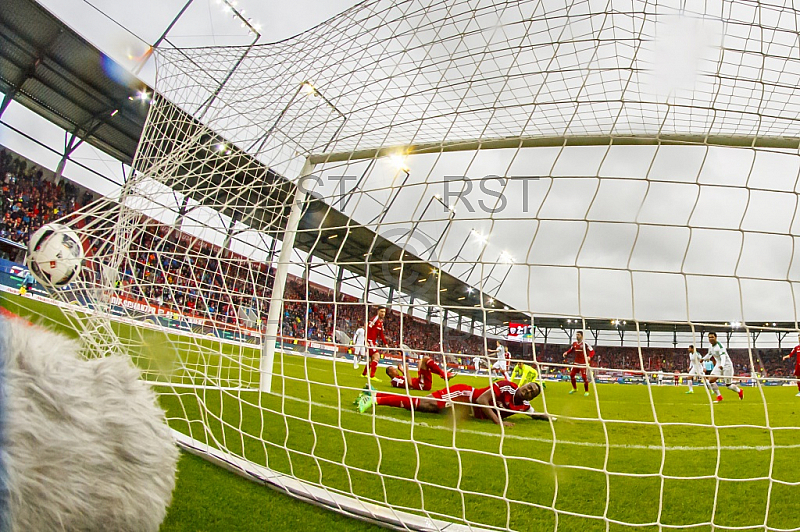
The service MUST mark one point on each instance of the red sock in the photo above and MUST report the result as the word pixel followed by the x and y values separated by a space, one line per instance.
pixel 434 367
pixel 798 386
pixel 585 382
pixel 399 401
pixel 572 380
pixel 364 373
pixel 372 367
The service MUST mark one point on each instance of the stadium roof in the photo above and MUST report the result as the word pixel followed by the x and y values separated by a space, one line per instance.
pixel 58 74
pixel 51 69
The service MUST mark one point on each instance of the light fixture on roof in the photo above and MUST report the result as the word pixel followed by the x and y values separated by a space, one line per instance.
pixel 143 95
pixel 506 258
pixel 482 239
pixel 470 290
pixel 114 112
pixel 221 146
pixel 309 88
pixel 399 162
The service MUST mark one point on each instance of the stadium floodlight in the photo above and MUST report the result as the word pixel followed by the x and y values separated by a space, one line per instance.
pixel 481 238
pixel 309 88
pixel 661 177
pixel 399 161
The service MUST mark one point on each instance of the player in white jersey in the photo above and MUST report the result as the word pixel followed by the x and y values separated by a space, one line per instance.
pixel 503 358
pixel 696 370
pixel 476 363
pixel 723 367
pixel 359 341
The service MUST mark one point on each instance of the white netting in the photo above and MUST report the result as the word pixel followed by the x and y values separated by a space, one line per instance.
pixel 625 168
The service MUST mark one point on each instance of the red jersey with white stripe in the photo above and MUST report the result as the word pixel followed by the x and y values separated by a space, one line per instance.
pixel 504 392
pixel 375 329
pixel 796 353
pixel 457 393
pixel 422 382
pixel 581 350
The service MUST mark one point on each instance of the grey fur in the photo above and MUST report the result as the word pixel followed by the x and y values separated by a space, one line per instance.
pixel 87 447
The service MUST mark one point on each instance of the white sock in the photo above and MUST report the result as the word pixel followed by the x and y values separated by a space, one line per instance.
pixel 734 388
pixel 715 388
pixel 691 383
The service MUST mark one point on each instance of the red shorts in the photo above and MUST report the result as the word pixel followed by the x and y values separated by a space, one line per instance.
pixel 457 393
pixel 424 381
pixel 578 369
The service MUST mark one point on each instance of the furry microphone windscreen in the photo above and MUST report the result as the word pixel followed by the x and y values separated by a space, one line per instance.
pixel 83 445
pixel 5 516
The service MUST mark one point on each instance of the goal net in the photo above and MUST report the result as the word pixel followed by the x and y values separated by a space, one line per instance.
pixel 493 173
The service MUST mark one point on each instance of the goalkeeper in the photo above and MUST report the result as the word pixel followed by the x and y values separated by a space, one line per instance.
pixel 525 374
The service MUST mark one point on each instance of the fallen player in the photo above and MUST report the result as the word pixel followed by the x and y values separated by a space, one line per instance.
pixel 424 379
pixel 496 402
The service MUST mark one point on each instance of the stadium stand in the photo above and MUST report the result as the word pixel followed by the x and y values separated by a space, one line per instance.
pixel 164 273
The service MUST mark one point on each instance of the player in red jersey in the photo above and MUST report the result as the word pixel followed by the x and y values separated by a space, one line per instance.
pixel 495 402
pixel 424 378
pixel 374 330
pixel 584 353
pixel 796 353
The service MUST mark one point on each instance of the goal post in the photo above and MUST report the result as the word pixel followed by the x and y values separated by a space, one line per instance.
pixel 272 326
pixel 546 167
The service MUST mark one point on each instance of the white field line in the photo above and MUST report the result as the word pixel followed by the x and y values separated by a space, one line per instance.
pixel 509 435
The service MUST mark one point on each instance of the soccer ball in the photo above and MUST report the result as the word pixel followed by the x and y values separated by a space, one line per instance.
pixel 55 255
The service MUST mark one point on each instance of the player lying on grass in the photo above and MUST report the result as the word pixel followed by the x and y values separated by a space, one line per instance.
pixel 723 367
pixel 796 353
pixel 496 402
pixel 424 378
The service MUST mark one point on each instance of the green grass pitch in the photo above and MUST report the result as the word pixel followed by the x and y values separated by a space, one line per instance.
pixel 626 469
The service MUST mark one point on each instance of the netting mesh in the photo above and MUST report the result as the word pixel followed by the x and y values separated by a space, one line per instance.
pixel 625 168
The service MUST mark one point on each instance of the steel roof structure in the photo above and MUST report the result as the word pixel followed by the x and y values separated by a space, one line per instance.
pixel 55 72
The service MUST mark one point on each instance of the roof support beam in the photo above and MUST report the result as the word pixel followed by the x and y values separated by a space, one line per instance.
pixel 741 141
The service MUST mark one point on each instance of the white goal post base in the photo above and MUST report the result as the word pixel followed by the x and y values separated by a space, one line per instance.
pixel 349 506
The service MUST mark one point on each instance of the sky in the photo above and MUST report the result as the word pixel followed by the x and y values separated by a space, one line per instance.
pixel 669 233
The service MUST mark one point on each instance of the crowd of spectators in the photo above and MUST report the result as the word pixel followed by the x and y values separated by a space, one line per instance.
pixel 668 360
pixel 29 200
pixel 170 269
